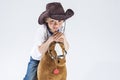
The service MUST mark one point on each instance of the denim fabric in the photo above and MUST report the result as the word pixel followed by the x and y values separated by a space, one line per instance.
pixel 31 70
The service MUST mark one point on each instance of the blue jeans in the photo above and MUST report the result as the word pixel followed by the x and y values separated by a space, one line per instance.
pixel 32 70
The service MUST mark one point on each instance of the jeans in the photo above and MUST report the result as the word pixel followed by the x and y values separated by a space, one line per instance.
pixel 31 70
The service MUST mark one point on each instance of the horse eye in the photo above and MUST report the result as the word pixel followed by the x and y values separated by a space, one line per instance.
pixel 50 50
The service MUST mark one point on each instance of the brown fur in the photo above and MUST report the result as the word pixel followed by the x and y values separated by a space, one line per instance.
pixel 47 65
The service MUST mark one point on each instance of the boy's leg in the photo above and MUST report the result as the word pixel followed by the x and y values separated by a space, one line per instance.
pixel 32 70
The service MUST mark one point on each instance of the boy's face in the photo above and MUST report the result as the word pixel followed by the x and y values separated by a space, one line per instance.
pixel 53 24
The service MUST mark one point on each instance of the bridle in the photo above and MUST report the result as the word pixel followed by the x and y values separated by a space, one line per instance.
pixel 58 56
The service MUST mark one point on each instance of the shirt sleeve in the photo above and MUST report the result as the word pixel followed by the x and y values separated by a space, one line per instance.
pixel 40 36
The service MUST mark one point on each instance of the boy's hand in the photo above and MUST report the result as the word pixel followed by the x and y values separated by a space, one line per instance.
pixel 58 37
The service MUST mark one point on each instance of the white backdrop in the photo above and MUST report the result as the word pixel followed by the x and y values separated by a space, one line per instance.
pixel 93 34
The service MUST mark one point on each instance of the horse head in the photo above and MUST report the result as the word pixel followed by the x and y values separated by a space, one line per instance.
pixel 57 53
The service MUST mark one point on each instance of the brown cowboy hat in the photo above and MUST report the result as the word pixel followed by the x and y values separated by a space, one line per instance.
pixel 55 11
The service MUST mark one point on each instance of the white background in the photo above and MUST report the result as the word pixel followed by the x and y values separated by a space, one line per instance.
pixel 93 34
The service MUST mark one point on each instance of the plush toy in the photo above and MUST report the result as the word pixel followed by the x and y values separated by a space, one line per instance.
pixel 53 63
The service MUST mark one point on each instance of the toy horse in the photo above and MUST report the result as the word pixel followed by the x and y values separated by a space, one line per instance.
pixel 53 63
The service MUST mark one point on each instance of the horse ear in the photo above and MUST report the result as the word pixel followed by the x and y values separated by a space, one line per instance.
pixel 52 43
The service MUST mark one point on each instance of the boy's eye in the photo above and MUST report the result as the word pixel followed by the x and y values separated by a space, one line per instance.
pixel 59 20
pixel 52 21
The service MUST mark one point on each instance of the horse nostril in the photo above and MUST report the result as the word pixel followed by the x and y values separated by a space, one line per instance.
pixel 58 61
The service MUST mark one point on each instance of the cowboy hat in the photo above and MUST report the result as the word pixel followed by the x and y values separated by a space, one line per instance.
pixel 55 11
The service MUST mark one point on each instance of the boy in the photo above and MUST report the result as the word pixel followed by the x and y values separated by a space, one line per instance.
pixel 51 29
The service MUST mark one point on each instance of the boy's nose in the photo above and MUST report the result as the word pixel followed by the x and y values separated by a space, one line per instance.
pixel 56 23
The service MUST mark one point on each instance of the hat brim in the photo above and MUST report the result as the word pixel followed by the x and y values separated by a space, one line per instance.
pixel 41 19
pixel 69 13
